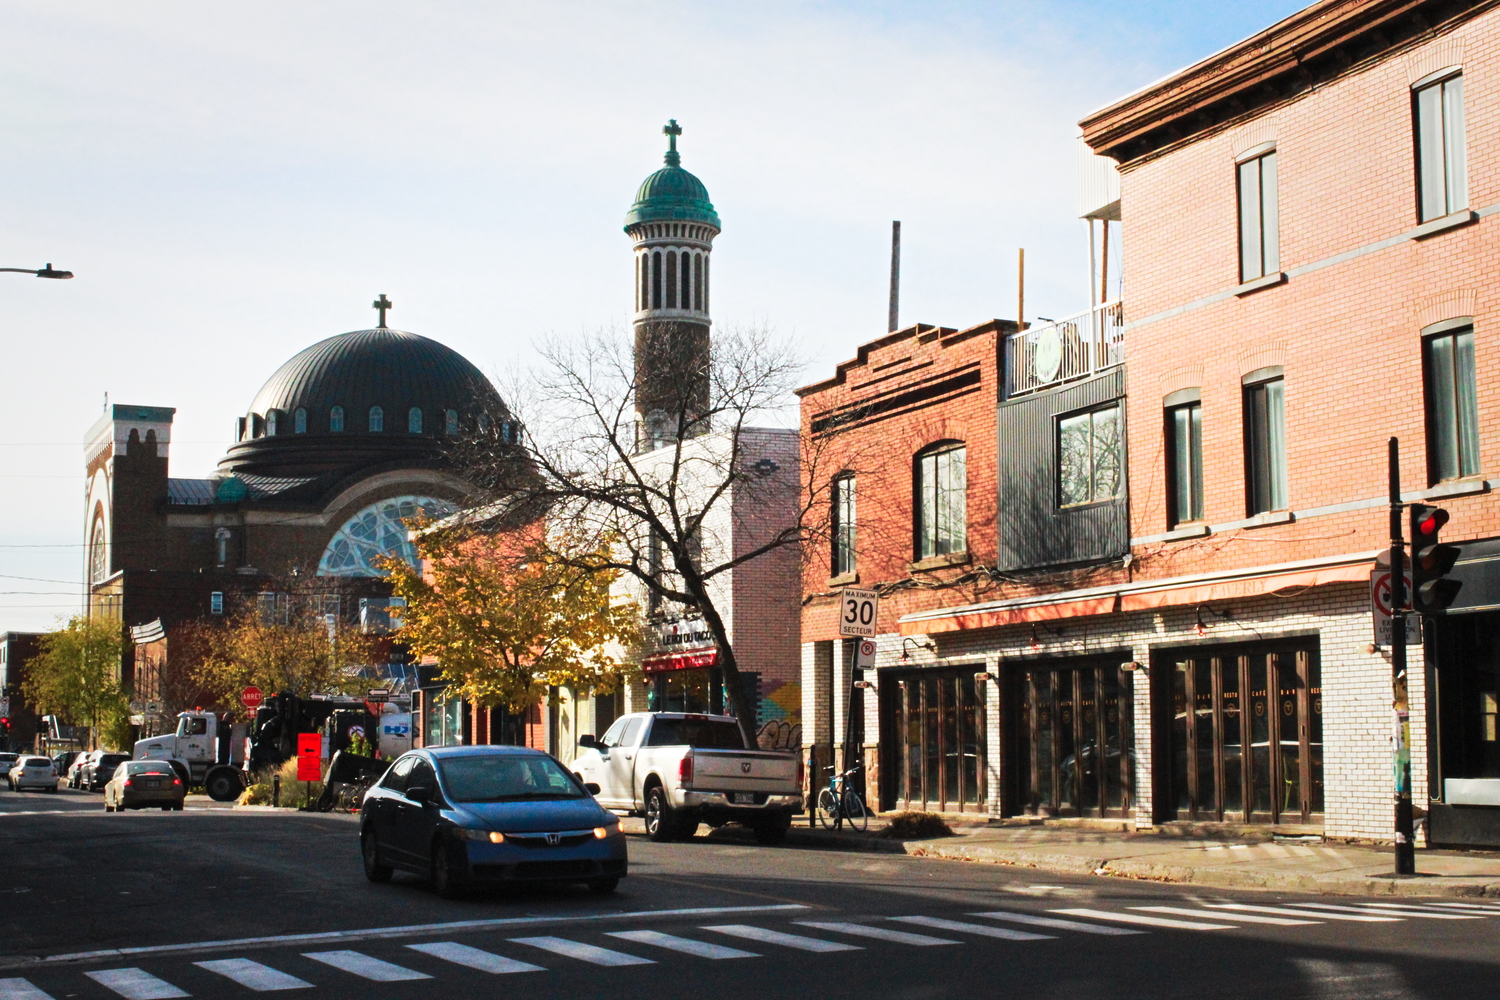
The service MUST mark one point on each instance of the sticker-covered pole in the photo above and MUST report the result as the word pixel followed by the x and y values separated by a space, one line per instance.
pixel 1406 858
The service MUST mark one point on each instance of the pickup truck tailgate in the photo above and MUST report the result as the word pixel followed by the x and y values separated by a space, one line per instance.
pixel 745 771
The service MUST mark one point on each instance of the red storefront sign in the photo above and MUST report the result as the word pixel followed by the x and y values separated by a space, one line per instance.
pixel 687 660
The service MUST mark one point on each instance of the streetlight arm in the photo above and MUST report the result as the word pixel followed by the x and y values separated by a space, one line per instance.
pixel 46 272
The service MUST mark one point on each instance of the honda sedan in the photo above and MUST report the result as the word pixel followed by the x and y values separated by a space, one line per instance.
pixel 488 814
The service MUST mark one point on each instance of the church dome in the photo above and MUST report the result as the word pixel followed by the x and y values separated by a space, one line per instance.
pixel 672 194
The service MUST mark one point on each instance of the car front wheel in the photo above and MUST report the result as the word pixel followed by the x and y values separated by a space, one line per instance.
pixel 445 882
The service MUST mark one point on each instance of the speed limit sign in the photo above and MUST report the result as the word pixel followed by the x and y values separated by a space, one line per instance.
pixel 857 610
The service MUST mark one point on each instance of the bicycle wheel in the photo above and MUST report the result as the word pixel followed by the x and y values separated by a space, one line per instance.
pixel 827 808
pixel 854 811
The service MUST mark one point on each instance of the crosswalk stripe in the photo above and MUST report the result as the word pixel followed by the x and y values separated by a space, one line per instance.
pixel 702 949
pixel 1491 908
pixel 785 940
pixel 982 930
pixel 1137 918
pixel 1056 923
pixel 1330 908
pixel 1239 918
pixel 253 975
pixel 878 933
pixel 1366 918
pixel 365 966
pixel 20 989
pixel 135 984
pixel 474 958
pixel 583 952
pixel 1415 908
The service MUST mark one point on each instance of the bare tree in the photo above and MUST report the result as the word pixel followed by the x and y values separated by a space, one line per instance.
pixel 661 464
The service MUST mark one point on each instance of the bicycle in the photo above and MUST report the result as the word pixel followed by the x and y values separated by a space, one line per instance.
pixel 839 802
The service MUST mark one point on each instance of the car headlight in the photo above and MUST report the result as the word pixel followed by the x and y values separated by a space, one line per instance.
pixel 608 830
pixel 494 837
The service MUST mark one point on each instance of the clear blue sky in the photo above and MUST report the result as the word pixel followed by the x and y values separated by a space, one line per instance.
pixel 234 182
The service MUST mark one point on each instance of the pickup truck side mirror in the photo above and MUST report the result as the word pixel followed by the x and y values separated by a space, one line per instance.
pixel 419 793
pixel 592 787
pixel 588 740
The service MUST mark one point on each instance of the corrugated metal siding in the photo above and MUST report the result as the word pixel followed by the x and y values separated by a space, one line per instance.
pixel 1033 531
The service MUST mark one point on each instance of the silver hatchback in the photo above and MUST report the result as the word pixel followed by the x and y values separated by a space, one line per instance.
pixel 33 772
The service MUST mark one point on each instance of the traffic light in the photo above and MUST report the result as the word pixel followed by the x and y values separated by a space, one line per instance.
pixel 1431 561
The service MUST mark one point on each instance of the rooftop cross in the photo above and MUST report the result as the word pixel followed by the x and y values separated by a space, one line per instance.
pixel 672 130
pixel 382 304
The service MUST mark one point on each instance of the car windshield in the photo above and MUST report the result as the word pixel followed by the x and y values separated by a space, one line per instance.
pixel 507 777
pixel 704 734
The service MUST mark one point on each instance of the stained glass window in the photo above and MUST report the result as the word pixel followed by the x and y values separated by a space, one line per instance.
pixel 376 533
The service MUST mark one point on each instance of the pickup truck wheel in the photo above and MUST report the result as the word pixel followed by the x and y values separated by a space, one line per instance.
pixel 687 826
pixel 661 824
pixel 374 870
pixel 223 785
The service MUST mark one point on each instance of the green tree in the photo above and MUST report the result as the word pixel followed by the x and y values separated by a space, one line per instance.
pixel 77 677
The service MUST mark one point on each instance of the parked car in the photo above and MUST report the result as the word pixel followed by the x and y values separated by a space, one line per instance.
pixel 75 769
pixel 33 772
pixel 488 814
pixel 97 773
pixel 63 762
pixel 142 784
pixel 7 761
pixel 680 770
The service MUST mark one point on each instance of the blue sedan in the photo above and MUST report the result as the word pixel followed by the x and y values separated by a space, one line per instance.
pixel 488 814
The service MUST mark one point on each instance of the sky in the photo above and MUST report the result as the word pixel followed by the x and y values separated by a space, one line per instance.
pixel 232 183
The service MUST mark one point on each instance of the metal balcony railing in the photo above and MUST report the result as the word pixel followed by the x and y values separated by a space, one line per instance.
pixel 1065 349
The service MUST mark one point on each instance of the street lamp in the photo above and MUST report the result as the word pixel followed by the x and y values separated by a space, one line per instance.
pixel 45 272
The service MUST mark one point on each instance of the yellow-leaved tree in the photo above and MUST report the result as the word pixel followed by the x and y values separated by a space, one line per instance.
pixel 506 615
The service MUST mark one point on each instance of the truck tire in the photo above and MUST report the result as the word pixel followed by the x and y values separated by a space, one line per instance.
pixel 687 825
pixel 223 784
pixel 661 818
pixel 772 831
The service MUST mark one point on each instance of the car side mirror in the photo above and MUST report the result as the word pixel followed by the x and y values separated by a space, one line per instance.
pixel 419 793
pixel 592 787
pixel 588 740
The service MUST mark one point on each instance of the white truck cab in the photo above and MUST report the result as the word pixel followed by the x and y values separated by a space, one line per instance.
pixel 205 750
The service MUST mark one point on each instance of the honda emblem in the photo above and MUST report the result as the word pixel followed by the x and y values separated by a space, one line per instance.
pixel 745 766
pixel 553 839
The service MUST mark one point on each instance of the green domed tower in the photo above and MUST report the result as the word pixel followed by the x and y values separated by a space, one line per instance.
pixel 672 225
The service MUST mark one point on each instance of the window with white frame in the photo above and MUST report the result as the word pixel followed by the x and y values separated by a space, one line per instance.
pixel 1089 466
pixel 1442 161
pixel 1260 225
pixel 1452 404
pixel 941 500
pixel 843 525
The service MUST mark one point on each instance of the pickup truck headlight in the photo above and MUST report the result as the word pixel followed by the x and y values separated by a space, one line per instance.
pixel 493 837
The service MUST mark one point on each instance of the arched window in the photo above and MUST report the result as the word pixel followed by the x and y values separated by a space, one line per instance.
pixel 299 420
pixel 221 546
pixel 656 280
pixel 272 422
pixel 843 524
pixel 377 420
pixel 939 509
pixel 671 279
pixel 705 283
pixel 336 419
pixel 698 281
pixel 687 280
pixel 414 420
pixel 451 423
pixel 484 423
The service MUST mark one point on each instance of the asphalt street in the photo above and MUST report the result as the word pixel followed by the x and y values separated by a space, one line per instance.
pixel 221 903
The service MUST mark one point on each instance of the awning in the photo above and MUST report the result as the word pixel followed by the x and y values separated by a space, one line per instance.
pixel 1255 586
pixel 1010 616
pixel 687 660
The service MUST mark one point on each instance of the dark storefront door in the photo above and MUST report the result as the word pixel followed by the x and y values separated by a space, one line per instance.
pixel 932 725
pixel 1239 733
pixel 1072 740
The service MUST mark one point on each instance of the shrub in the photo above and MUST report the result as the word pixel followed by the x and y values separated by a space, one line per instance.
pixel 916 826
pixel 292 796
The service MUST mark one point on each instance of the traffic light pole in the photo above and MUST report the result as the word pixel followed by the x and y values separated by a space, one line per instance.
pixel 1406 858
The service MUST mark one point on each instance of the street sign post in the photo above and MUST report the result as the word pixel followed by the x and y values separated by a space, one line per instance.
pixel 858 611
pixel 864 655
pixel 251 698
pixel 1380 611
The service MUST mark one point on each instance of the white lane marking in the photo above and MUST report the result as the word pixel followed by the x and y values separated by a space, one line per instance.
pixel 1239 918
pixel 365 966
pixel 1136 918
pixel 583 952
pixel 785 940
pixel 135 984
pixel 1330 908
pixel 408 930
pixel 253 975
pixel 1397 908
pixel 980 929
pixel 1286 911
pixel 703 949
pixel 1055 923
pixel 878 933
pixel 474 958
pixel 1491 908
pixel 1353 980
pixel 20 989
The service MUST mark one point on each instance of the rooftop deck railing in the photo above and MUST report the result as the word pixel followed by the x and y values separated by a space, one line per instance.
pixel 1066 349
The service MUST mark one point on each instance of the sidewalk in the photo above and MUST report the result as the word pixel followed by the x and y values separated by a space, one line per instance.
pixel 1251 862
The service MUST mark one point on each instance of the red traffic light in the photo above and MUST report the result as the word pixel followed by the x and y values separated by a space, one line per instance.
pixel 1433 522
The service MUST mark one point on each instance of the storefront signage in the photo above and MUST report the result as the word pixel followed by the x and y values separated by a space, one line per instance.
pixel 689 633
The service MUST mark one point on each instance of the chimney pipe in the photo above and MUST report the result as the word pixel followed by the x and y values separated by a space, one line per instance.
pixel 895 276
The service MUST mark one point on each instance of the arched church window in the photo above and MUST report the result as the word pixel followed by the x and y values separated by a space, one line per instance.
pixel 377 420
pixel 221 547
pixel 656 280
pixel 687 280
pixel 336 419
pixel 376 533
pixel 698 281
pixel 299 420
pixel 671 279
pixel 414 420
pixel 451 421
pixel 98 553
pixel 271 423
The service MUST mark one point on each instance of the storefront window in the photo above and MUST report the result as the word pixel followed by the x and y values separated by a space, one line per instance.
pixel 933 721
pixel 1073 750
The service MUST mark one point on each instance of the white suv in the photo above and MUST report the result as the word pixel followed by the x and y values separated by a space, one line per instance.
pixel 33 772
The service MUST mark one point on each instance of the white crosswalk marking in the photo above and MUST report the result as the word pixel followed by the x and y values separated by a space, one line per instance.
pixel 878 933
pixel 785 940
pixel 473 958
pixel 1239 918
pixel 1330 908
pixel 583 952
pixel 1055 923
pixel 253 975
pixel 1138 918
pixel 20 989
pixel 364 966
pixel 1397 909
pixel 135 984
pixel 1490 908
pixel 1285 911
pixel 702 949
pixel 980 929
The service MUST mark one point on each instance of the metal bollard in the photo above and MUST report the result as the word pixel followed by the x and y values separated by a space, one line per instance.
pixel 275 791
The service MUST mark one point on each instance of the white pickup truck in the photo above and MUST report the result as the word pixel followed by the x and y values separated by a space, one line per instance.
pixel 681 770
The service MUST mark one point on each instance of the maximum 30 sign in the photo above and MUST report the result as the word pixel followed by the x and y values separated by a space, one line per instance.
pixel 857 610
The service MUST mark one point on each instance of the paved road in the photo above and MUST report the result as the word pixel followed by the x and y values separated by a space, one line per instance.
pixel 158 905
